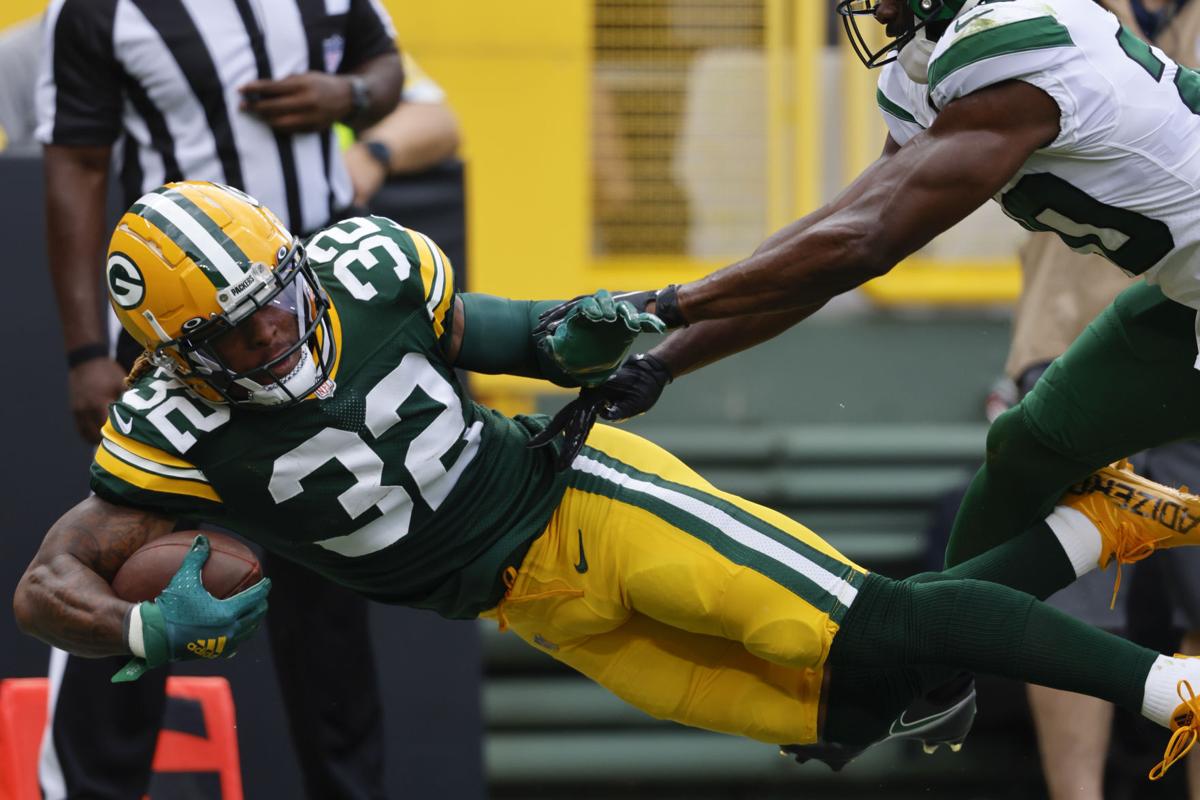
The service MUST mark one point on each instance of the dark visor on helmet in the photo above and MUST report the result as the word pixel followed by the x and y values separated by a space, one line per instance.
pixel 852 11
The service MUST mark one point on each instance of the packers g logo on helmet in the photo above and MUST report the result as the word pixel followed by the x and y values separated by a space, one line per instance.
pixel 125 283
pixel 190 261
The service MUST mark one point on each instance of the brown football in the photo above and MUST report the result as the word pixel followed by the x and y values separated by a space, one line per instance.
pixel 231 566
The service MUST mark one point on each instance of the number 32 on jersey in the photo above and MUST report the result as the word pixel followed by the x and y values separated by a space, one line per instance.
pixel 423 458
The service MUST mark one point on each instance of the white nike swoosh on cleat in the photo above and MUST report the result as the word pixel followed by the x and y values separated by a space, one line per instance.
pixel 900 725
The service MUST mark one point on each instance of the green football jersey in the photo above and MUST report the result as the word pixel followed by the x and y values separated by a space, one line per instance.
pixel 395 485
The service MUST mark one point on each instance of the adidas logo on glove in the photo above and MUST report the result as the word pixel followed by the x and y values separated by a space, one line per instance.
pixel 207 648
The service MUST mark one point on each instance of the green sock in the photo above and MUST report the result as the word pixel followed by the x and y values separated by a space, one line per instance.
pixel 1034 563
pixel 987 628
pixel 1017 487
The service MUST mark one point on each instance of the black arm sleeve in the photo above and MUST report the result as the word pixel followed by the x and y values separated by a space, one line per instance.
pixel 369 34
pixel 84 106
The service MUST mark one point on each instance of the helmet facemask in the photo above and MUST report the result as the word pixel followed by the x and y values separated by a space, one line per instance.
pixel 928 16
pixel 291 287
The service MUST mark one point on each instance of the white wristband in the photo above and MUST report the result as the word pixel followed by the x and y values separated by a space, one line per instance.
pixel 137 643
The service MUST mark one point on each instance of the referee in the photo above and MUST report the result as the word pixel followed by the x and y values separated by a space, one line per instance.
pixel 242 92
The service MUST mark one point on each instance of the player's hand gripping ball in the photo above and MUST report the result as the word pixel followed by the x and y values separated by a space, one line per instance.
pixel 185 619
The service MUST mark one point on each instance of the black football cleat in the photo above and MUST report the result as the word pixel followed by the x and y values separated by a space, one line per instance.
pixel 832 754
pixel 945 717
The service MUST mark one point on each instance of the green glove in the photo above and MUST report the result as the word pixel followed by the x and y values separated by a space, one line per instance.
pixel 186 622
pixel 592 339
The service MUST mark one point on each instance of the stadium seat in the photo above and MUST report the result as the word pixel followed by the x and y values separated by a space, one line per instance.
pixel 207 747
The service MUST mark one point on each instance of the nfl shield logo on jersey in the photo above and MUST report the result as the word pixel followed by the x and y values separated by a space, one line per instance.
pixel 333 48
pixel 326 389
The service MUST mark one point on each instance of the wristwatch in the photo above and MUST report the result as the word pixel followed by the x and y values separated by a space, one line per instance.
pixel 360 97
pixel 380 152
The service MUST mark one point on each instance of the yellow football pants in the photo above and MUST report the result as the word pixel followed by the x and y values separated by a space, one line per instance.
pixel 690 603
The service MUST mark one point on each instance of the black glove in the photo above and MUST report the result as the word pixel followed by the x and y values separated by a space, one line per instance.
pixel 633 390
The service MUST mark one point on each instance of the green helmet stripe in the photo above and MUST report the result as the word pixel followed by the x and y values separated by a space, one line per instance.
pixel 194 232
pixel 222 238
pixel 181 241
pixel 1039 33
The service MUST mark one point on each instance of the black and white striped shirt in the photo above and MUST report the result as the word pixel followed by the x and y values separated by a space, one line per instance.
pixel 160 78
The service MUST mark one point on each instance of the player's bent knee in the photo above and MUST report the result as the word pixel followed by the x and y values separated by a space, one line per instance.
pixel 788 642
pixel 1011 442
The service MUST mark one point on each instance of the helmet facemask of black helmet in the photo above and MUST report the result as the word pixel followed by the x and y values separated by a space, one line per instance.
pixel 852 11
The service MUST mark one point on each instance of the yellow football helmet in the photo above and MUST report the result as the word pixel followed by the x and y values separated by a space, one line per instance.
pixel 188 262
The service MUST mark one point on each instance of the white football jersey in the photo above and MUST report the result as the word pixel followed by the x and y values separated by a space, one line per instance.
pixel 1122 178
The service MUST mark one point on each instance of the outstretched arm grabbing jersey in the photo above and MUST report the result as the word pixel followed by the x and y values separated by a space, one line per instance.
pixel 893 209
pixel 898 205
pixel 984 131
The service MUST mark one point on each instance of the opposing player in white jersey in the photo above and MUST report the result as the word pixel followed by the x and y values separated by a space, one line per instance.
pixel 1120 177
pixel 1074 125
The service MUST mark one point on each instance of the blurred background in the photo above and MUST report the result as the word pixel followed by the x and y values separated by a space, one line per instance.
pixel 628 144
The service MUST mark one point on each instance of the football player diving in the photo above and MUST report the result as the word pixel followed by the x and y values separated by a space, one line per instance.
pixel 1074 125
pixel 304 395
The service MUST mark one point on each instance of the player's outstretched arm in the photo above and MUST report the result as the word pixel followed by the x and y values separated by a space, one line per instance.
pixel 895 207
pixel 974 147
pixel 712 340
pixel 64 597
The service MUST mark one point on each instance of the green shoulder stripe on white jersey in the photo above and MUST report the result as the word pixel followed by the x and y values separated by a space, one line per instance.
pixel 1039 33
pixel 892 108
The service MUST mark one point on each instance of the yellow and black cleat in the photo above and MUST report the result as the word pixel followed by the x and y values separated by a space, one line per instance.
pixel 1135 515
